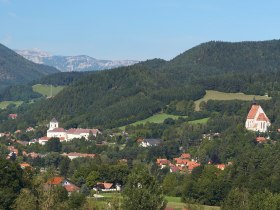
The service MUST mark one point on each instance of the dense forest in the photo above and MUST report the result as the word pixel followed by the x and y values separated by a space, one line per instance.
pixel 120 96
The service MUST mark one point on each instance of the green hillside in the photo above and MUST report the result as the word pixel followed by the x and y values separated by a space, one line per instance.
pixel 14 69
pixel 122 96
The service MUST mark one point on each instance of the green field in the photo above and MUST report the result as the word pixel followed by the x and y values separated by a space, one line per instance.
pixel 157 118
pixel 172 202
pixel 4 104
pixel 175 202
pixel 221 96
pixel 47 90
pixel 199 121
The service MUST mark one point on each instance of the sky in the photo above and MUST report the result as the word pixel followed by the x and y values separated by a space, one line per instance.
pixel 133 29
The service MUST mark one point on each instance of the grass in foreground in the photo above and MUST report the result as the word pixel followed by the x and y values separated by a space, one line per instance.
pixel 47 90
pixel 4 104
pixel 175 202
pixel 221 96
pixel 157 118
pixel 172 202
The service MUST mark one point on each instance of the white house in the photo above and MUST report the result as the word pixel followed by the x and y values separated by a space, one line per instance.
pixel 151 142
pixel 257 119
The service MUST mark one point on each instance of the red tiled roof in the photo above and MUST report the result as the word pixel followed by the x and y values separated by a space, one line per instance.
pixel 24 165
pixel 163 161
pixel 185 156
pixel 253 111
pixel 56 180
pixel 221 166
pixel 71 187
pixel 13 116
pixel 260 139
pixel 81 130
pixel 57 130
pixel 262 117
pixel 105 185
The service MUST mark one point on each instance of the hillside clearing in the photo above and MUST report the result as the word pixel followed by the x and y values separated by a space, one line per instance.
pixel 157 118
pixel 47 90
pixel 199 121
pixel 4 104
pixel 222 96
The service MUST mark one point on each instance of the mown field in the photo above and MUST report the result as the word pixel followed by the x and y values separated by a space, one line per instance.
pixel 199 121
pixel 157 118
pixel 47 90
pixel 221 96
pixel 172 202
pixel 4 104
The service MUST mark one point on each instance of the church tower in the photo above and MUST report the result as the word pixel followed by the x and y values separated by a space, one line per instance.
pixel 53 124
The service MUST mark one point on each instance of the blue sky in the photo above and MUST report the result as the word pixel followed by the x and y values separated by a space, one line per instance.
pixel 133 29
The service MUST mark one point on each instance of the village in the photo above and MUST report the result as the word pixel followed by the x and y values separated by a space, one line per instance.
pixel 256 121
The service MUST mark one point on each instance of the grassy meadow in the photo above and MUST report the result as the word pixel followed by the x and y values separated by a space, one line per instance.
pixel 157 118
pixel 199 121
pixel 4 104
pixel 221 96
pixel 47 90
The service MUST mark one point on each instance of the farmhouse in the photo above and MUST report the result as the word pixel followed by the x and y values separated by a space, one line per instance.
pixel 61 181
pixel 56 131
pixel 151 142
pixel 257 119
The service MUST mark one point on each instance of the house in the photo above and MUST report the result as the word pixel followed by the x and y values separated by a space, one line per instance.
pixel 29 129
pixel 106 187
pixel 24 165
pixel 74 155
pixel 162 163
pixel 220 166
pixel 43 140
pixel 257 119
pixel 56 131
pixel 151 142
pixel 185 156
pixel 13 116
pixel 61 181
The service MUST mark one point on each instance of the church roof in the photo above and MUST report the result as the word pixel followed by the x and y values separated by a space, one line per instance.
pixel 54 120
pixel 262 117
pixel 253 111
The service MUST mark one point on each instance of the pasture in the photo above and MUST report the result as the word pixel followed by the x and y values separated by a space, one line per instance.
pixel 4 104
pixel 221 96
pixel 47 90
pixel 157 118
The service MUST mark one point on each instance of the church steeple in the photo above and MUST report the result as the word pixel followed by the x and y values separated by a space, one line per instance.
pixel 53 124
pixel 254 102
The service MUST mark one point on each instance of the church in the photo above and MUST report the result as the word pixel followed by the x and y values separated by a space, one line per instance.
pixel 56 131
pixel 257 119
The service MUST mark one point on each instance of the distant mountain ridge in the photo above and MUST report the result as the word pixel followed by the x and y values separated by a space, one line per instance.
pixel 72 63
pixel 14 69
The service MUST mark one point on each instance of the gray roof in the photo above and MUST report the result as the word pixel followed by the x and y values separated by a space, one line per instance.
pixel 54 120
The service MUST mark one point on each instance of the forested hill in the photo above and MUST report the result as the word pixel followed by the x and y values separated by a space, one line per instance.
pixel 121 96
pixel 14 69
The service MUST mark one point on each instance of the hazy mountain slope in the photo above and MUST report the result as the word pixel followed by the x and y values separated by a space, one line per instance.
pixel 73 63
pixel 14 69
